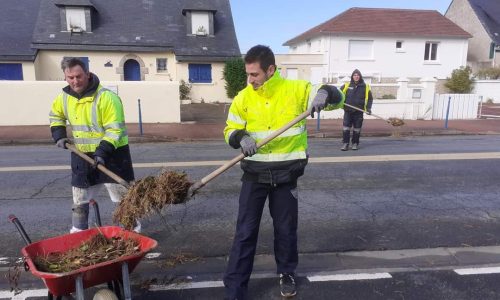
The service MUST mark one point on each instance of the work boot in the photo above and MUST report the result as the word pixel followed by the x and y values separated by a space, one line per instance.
pixel 354 147
pixel 345 147
pixel 287 285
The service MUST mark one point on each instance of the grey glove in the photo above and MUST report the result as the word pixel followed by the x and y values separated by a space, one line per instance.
pixel 248 146
pixel 98 160
pixel 319 102
pixel 61 143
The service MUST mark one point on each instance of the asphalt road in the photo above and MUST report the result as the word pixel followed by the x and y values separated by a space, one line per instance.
pixel 394 193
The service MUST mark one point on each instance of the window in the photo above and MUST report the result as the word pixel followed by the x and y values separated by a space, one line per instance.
pixel 200 23
pixel 11 72
pixel 75 19
pixel 84 59
pixel 161 65
pixel 360 50
pixel 399 45
pixel 492 50
pixel 200 73
pixel 430 51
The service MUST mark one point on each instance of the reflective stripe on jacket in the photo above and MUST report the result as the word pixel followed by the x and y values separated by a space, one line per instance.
pixel 261 112
pixel 94 118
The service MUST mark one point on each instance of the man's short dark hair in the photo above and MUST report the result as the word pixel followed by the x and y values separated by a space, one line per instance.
pixel 262 54
pixel 70 62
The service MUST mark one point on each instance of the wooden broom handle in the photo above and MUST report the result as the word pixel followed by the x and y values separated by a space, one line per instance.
pixel 101 168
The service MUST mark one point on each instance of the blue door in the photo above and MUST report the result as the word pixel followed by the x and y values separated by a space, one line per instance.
pixel 11 72
pixel 132 70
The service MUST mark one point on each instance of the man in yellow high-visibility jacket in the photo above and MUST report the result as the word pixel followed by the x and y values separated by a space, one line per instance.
pixel 265 105
pixel 98 128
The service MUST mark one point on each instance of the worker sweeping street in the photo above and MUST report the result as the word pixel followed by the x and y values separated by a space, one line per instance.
pixel 98 128
pixel 358 94
pixel 271 171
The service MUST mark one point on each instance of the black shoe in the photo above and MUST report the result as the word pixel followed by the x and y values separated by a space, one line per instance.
pixel 287 285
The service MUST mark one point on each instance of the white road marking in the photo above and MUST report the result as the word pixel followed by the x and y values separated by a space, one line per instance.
pixel 153 255
pixel 345 277
pixel 187 285
pixel 24 294
pixel 472 271
pixel 332 159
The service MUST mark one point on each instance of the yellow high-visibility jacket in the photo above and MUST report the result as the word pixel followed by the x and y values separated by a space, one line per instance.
pixel 260 112
pixel 93 118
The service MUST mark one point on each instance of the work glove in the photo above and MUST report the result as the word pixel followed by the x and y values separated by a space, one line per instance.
pixel 369 111
pixel 248 146
pixel 319 102
pixel 98 160
pixel 61 143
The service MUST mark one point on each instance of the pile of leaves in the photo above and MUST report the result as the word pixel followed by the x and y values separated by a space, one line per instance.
pixel 396 121
pixel 150 195
pixel 96 250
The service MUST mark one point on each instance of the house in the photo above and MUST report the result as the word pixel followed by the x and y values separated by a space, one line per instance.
pixel 385 44
pixel 481 18
pixel 121 40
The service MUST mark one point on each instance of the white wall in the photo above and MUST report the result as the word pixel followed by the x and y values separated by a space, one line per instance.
pixel 387 62
pixel 488 89
pixel 29 102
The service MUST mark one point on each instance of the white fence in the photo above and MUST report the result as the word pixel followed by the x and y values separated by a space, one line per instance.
pixel 461 106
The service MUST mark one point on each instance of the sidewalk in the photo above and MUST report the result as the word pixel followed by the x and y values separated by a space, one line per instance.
pixel 207 121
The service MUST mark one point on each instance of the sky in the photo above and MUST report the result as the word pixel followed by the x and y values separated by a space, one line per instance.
pixel 273 22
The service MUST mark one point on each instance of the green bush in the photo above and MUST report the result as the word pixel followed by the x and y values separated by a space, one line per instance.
pixel 184 90
pixel 460 81
pixel 235 76
pixel 489 73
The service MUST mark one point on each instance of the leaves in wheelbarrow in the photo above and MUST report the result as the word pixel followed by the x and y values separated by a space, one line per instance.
pixel 96 250
pixel 150 195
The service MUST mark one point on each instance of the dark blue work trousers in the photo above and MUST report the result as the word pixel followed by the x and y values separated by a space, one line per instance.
pixel 352 119
pixel 283 207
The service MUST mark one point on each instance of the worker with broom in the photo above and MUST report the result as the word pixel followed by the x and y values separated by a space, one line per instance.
pixel 98 127
pixel 358 94
pixel 266 104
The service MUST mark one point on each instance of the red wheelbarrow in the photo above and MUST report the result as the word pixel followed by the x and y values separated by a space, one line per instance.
pixel 114 271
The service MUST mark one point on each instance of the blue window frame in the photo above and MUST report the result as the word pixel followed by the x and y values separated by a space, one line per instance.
pixel 11 71
pixel 200 73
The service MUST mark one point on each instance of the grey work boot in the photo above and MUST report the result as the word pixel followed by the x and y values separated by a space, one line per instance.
pixel 345 147
pixel 354 147
pixel 80 217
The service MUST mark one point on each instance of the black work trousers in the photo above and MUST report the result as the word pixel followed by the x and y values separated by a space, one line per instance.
pixel 283 207
pixel 352 119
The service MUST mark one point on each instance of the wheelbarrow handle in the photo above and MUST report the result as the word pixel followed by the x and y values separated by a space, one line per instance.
pixel 101 168
pixel 199 184
pixel 20 228
pixel 371 114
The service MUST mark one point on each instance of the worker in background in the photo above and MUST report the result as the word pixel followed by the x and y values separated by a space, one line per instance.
pixel 270 172
pixel 98 128
pixel 357 93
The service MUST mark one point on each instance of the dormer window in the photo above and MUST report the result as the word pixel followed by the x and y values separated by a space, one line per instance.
pixel 75 17
pixel 199 22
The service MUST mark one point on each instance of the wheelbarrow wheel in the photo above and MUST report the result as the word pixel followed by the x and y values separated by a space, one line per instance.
pixel 105 294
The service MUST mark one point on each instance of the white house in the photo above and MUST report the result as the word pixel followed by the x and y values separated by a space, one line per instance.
pixel 385 44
